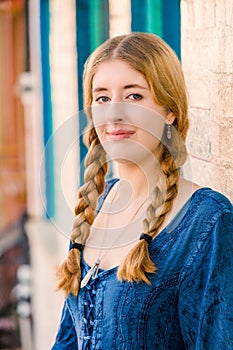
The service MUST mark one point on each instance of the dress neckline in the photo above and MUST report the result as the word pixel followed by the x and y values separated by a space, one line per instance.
pixel 173 225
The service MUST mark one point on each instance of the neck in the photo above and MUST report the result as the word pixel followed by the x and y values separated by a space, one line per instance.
pixel 141 179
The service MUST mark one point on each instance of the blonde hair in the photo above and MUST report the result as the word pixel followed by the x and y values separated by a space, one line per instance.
pixel 152 57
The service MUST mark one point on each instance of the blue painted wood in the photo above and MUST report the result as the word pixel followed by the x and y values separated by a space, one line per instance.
pixel 99 22
pixel 138 16
pixel 92 28
pixel 83 33
pixel 161 17
pixel 154 17
pixel 47 108
pixel 171 24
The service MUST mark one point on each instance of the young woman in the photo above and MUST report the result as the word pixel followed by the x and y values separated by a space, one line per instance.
pixel 150 264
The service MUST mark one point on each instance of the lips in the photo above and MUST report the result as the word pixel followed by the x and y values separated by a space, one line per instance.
pixel 120 134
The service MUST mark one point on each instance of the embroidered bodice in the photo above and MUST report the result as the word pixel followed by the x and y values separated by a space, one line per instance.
pixel 189 303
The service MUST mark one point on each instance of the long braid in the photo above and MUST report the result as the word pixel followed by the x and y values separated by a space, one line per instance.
pixel 138 263
pixel 69 273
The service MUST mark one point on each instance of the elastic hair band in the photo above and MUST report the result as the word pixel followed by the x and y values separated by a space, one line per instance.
pixel 146 237
pixel 76 245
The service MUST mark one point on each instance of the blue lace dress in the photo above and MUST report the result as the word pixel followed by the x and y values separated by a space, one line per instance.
pixel 189 303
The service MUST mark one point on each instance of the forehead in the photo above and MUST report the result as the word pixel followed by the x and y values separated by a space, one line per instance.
pixel 117 72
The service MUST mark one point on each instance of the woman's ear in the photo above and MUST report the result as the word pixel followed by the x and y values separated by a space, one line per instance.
pixel 170 117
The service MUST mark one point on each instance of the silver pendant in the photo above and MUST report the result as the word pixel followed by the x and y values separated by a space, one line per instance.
pixel 91 273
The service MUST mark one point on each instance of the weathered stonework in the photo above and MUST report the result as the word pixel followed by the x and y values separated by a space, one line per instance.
pixel 207 61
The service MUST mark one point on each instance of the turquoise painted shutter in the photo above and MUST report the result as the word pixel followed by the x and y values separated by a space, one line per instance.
pixel 47 108
pixel 161 17
pixel 92 28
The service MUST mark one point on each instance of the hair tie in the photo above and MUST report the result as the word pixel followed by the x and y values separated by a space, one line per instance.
pixel 76 245
pixel 146 237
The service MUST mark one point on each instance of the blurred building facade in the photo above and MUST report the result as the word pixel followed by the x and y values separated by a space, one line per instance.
pixel 42 121
pixel 13 194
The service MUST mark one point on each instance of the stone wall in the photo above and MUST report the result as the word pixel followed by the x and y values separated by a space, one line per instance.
pixel 207 60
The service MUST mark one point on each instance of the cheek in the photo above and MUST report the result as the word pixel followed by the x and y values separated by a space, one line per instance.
pixel 146 120
pixel 151 130
pixel 99 115
pixel 100 133
pixel 149 141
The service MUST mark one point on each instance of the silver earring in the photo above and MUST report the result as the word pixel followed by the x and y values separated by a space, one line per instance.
pixel 168 133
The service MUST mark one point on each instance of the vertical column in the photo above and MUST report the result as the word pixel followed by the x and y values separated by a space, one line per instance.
pixel 120 17
pixel 55 21
pixel 158 17
pixel 83 48
pixel 63 72
pixel 33 114
pixel 99 21
pixel 47 107
pixel 92 20
pixel 139 16
pixel 171 23
pixel 154 17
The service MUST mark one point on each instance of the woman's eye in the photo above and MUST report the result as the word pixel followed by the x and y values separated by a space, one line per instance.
pixel 135 97
pixel 102 99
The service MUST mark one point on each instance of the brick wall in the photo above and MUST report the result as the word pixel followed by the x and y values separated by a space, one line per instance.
pixel 207 60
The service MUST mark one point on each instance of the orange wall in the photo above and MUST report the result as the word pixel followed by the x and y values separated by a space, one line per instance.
pixel 12 155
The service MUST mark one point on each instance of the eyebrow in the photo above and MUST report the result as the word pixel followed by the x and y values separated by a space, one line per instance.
pixel 130 86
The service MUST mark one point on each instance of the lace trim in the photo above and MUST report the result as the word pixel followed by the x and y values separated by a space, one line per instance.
pixel 89 314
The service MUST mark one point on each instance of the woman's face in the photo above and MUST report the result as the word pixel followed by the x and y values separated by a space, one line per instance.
pixel 127 120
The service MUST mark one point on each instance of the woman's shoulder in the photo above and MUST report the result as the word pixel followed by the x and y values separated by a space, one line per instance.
pixel 203 220
pixel 205 212
pixel 212 200
pixel 199 210
pixel 203 198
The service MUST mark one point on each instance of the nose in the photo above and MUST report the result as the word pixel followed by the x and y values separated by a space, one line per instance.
pixel 116 112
